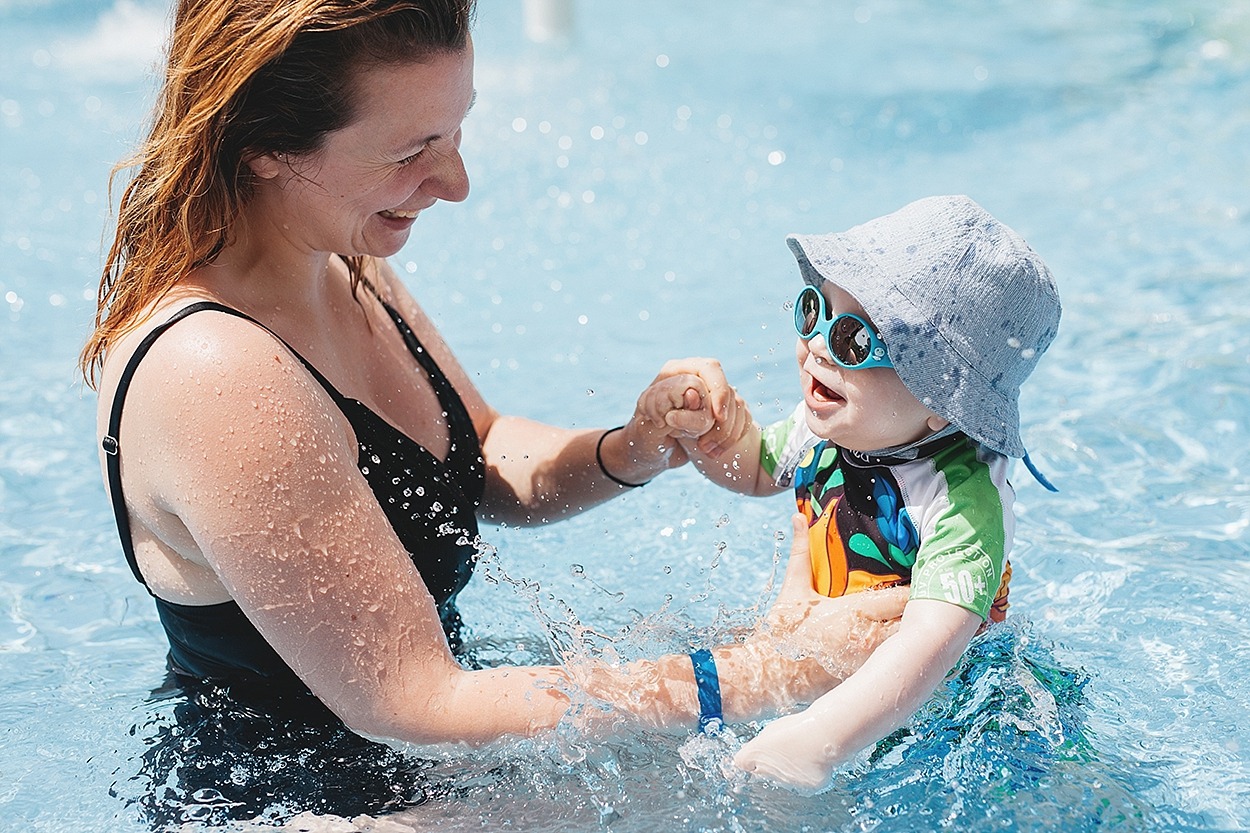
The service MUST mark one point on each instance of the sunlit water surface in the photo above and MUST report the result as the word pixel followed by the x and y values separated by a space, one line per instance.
pixel 631 189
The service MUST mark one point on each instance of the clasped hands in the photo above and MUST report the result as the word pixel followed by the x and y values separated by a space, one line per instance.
pixel 689 404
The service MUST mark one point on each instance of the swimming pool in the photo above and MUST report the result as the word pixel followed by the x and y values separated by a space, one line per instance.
pixel 632 187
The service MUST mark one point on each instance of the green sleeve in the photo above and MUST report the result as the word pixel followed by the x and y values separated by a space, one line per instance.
pixel 961 560
pixel 773 440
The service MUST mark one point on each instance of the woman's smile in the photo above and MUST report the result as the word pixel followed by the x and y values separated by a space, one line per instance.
pixel 395 214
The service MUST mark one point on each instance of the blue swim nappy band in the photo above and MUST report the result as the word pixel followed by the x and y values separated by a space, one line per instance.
pixel 707 682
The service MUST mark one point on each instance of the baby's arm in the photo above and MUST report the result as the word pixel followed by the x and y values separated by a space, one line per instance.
pixel 736 465
pixel 803 749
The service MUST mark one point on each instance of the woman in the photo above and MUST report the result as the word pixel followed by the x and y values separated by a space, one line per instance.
pixel 295 457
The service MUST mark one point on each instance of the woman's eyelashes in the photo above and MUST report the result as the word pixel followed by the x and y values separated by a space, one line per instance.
pixel 413 157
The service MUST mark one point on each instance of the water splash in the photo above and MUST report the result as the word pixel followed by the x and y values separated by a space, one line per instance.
pixel 1006 737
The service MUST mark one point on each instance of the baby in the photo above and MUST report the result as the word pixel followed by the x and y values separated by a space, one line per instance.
pixel 915 332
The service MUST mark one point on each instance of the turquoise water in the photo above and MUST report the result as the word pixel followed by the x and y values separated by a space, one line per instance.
pixel 632 187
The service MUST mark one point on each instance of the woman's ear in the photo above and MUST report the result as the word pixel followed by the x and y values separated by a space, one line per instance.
pixel 936 423
pixel 265 165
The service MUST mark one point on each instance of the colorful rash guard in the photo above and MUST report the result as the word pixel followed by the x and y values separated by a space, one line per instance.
pixel 939 517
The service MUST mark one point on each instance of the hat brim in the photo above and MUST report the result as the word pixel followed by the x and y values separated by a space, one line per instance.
pixel 923 345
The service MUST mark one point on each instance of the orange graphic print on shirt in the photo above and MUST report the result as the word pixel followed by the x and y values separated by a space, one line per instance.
pixel 859 529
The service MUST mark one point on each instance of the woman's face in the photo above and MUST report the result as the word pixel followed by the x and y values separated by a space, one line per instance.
pixel 863 410
pixel 361 191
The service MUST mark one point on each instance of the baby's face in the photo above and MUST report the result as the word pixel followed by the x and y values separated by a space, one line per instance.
pixel 863 410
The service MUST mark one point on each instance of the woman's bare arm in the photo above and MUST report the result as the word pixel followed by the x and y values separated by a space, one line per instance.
pixel 230 439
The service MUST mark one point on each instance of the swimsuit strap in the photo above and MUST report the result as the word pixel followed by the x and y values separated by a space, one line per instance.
pixel 112 440
pixel 111 443
pixel 443 388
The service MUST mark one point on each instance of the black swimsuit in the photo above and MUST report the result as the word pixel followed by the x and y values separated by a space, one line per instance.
pixel 430 503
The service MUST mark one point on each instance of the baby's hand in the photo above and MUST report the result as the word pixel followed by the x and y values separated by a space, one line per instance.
pixel 790 751
pixel 694 402
pixel 673 406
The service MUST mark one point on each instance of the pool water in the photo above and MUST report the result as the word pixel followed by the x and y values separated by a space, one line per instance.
pixel 632 185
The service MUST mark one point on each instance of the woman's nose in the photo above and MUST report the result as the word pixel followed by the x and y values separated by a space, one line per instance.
pixel 449 180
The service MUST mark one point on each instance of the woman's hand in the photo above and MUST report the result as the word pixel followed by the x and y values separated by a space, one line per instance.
pixel 670 409
pixel 804 749
pixel 690 400
pixel 808 643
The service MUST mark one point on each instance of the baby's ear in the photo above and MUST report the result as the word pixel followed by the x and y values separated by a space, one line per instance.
pixel 936 423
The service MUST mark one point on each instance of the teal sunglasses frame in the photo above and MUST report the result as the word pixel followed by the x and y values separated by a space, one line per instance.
pixel 847 328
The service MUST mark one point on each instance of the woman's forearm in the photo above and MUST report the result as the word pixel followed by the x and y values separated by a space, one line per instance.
pixel 756 680
pixel 805 646
pixel 557 474
pixel 478 707
pixel 474 707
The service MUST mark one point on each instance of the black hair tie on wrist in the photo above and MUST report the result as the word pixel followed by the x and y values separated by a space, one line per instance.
pixel 599 459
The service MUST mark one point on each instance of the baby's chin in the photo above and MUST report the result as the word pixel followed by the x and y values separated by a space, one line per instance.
pixel 851 440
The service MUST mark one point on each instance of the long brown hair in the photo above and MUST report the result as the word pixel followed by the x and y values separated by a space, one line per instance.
pixel 244 77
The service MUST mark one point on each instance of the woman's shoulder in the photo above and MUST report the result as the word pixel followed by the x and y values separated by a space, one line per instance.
pixel 193 361
pixel 193 334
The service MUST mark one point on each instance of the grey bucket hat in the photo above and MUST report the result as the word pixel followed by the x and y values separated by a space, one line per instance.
pixel 964 306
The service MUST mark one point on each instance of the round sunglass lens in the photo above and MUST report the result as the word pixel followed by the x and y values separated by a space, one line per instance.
pixel 849 341
pixel 807 314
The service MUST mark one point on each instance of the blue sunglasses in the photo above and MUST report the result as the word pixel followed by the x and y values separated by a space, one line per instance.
pixel 851 340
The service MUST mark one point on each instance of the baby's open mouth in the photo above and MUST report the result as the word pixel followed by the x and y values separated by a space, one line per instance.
pixel 821 393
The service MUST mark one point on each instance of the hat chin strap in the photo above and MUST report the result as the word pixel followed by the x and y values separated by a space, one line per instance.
pixel 1037 475
pixel 903 453
pixel 923 447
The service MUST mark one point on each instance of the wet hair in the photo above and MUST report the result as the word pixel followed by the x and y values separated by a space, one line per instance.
pixel 245 78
